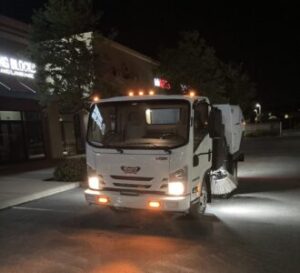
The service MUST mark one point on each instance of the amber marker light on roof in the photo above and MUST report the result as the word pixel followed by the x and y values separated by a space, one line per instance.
pixel 96 98
pixel 192 94
pixel 141 92
pixel 130 94
pixel 151 92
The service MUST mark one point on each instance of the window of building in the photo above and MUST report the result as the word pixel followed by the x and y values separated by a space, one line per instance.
pixel 10 115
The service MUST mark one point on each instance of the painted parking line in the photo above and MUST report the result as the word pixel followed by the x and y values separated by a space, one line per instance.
pixel 42 209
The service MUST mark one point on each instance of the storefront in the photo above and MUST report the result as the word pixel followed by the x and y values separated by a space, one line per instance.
pixel 21 123
pixel 21 128
pixel 21 136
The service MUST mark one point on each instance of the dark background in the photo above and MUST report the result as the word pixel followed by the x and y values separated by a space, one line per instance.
pixel 264 37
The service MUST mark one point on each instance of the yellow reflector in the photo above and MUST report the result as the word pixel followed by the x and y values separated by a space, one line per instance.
pixel 103 200
pixel 154 204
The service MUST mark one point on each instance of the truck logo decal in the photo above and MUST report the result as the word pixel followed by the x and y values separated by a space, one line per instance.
pixel 131 170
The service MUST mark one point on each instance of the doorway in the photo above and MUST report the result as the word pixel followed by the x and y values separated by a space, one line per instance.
pixel 12 145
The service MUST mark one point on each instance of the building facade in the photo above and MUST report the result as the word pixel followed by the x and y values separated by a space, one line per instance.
pixel 21 130
pixel 29 132
pixel 125 69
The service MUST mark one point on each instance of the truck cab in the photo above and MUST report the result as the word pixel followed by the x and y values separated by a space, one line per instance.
pixel 150 152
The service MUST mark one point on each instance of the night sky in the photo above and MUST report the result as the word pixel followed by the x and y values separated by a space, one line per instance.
pixel 265 37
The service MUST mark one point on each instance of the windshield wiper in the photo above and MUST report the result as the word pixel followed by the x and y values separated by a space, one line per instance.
pixel 118 149
pixel 121 151
pixel 167 150
pixel 136 145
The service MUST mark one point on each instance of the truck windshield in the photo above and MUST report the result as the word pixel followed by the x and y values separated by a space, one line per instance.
pixel 139 124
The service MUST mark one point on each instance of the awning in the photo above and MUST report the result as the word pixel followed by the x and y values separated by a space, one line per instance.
pixel 17 93
pixel 17 87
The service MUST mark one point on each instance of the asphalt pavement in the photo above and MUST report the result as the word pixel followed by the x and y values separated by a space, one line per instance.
pixel 256 230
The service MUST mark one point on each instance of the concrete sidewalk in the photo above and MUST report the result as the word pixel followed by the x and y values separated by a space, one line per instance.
pixel 28 186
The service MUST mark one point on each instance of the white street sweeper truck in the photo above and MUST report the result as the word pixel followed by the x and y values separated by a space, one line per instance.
pixel 161 152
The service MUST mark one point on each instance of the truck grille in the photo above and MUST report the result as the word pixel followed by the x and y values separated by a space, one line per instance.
pixel 132 186
pixel 132 178
pixel 133 191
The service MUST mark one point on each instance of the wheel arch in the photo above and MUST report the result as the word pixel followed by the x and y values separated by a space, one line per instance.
pixel 206 180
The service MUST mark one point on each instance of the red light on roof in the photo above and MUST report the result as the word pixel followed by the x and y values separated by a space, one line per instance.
pixel 162 83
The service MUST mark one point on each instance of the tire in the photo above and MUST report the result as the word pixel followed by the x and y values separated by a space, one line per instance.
pixel 232 168
pixel 198 209
pixel 235 170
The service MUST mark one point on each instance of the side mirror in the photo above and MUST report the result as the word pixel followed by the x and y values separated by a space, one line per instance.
pixel 215 126
pixel 195 160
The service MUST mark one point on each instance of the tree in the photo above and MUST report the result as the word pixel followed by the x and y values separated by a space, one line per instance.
pixel 239 87
pixel 194 64
pixel 61 46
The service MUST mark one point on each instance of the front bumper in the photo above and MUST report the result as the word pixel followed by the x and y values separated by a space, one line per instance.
pixel 141 201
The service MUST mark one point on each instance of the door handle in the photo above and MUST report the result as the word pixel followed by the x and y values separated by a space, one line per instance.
pixel 209 152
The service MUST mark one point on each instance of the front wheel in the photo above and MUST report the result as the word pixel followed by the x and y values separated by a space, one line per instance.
pixel 199 208
pixel 232 168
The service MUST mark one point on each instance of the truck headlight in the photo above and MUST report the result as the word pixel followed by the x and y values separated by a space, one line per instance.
pixel 175 188
pixel 94 182
pixel 179 175
pixel 177 181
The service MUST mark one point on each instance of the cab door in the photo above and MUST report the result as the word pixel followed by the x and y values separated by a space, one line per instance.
pixel 202 145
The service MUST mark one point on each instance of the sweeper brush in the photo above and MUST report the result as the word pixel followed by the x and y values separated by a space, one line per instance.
pixel 222 182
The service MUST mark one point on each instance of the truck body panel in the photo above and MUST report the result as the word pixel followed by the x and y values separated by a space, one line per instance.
pixel 232 119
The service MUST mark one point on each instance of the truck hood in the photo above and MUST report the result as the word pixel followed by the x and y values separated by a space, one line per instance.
pixel 134 171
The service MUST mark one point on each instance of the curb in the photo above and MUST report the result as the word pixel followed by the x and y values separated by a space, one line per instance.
pixel 38 195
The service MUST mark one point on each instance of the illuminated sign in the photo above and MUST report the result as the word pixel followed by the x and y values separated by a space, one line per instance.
pixel 17 67
pixel 164 84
